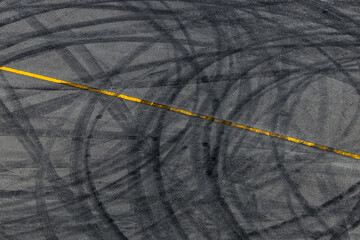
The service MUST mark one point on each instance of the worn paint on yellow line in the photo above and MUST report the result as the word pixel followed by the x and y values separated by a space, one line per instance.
pixel 181 111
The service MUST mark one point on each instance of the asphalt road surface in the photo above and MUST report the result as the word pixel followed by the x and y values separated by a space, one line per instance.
pixel 81 165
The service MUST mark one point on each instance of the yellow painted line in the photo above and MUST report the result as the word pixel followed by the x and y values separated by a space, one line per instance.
pixel 181 111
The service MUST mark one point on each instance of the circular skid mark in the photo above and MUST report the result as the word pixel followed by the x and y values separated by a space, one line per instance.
pixel 81 165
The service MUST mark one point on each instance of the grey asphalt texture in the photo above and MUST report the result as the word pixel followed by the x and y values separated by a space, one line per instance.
pixel 81 165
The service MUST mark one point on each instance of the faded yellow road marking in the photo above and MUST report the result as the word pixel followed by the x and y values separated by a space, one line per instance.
pixel 209 118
